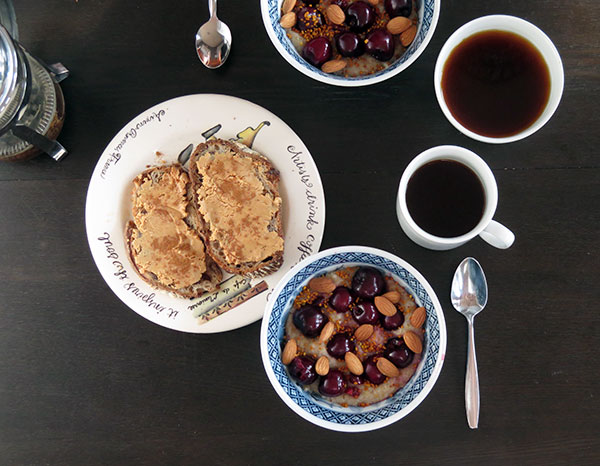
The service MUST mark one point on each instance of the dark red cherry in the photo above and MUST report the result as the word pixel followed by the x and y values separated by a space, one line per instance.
pixel 309 320
pixel 349 44
pixel 368 282
pixel 392 322
pixel 356 379
pixel 371 371
pixel 380 44
pixel 360 16
pixel 365 312
pixel 398 353
pixel 317 51
pixel 339 345
pixel 340 299
pixel 309 17
pixel 302 369
pixel 398 7
pixel 332 384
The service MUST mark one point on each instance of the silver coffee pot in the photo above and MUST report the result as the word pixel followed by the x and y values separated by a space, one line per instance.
pixel 32 106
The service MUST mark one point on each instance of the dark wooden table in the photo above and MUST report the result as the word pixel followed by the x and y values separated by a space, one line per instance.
pixel 85 380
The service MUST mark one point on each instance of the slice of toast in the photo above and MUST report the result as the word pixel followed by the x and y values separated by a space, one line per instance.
pixel 168 191
pixel 236 193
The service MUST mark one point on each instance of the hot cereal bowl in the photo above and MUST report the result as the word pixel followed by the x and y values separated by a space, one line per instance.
pixel 363 384
pixel 408 35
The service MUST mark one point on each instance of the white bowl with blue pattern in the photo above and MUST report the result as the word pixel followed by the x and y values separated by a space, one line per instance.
pixel 313 407
pixel 428 14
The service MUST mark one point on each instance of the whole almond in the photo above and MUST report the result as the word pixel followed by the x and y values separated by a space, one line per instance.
pixel 385 306
pixel 373 2
pixel 322 365
pixel 353 363
pixel 408 36
pixel 288 5
pixel 413 342
pixel 288 20
pixel 392 296
pixel 333 65
pixel 387 368
pixel 335 14
pixel 321 284
pixel 326 332
pixel 363 332
pixel 289 351
pixel 417 319
pixel 398 24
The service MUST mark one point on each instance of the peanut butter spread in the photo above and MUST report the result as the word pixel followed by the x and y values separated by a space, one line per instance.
pixel 165 245
pixel 233 200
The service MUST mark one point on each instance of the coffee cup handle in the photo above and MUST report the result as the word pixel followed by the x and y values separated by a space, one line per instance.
pixel 498 235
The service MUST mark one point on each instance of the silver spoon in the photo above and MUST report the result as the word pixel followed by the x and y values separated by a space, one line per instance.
pixel 213 39
pixel 469 296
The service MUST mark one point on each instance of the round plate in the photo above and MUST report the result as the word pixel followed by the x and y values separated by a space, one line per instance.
pixel 158 136
pixel 353 418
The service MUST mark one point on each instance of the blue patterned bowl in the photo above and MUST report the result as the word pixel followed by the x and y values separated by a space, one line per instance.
pixel 428 12
pixel 316 409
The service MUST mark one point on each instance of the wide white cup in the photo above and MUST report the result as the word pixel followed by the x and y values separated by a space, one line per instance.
pixel 489 230
pixel 524 29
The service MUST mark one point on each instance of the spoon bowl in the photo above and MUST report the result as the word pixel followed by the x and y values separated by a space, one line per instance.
pixel 469 294
pixel 213 39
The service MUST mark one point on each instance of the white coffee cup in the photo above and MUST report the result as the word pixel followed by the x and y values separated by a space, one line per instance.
pixel 489 230
pixel 524 29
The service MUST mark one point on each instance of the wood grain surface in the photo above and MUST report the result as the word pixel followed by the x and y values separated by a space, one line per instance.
pixel 86 381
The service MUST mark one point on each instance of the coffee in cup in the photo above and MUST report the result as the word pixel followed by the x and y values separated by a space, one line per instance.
pixel 447 196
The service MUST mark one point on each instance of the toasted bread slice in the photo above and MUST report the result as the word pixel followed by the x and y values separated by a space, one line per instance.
pixel 163 243
pixel 236 192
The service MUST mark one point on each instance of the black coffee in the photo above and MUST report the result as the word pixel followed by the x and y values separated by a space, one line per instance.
pixel 445 198
pixel 496 83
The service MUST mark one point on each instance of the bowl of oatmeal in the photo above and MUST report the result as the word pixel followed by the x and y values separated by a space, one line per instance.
pixel 350 42
pixel 353 338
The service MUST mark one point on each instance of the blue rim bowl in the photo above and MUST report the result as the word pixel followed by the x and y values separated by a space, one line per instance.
pixel 428 14
pixel 316 409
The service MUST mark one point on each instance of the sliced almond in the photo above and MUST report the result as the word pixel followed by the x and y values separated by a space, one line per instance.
pixel 353 363
pixel 385 306
pixel 326 332
pixel 363 332
pixel 333 66
pixel 335 14
pixel 321 284
pixel 398 25
pixel 288 20
pixel 417 319
pixel 413 342
pixel 408 36
pixel 289 351
pixel 288 5
pixel 387 368
pixel 322 365
pixel 392 296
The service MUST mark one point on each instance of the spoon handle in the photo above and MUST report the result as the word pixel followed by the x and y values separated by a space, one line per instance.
pixel 472 381
pixel 212 7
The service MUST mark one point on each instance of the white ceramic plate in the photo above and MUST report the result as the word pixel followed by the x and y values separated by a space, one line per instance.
pixel 156 137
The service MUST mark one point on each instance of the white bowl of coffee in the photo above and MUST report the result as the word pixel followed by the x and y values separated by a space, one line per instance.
pixel 498 79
